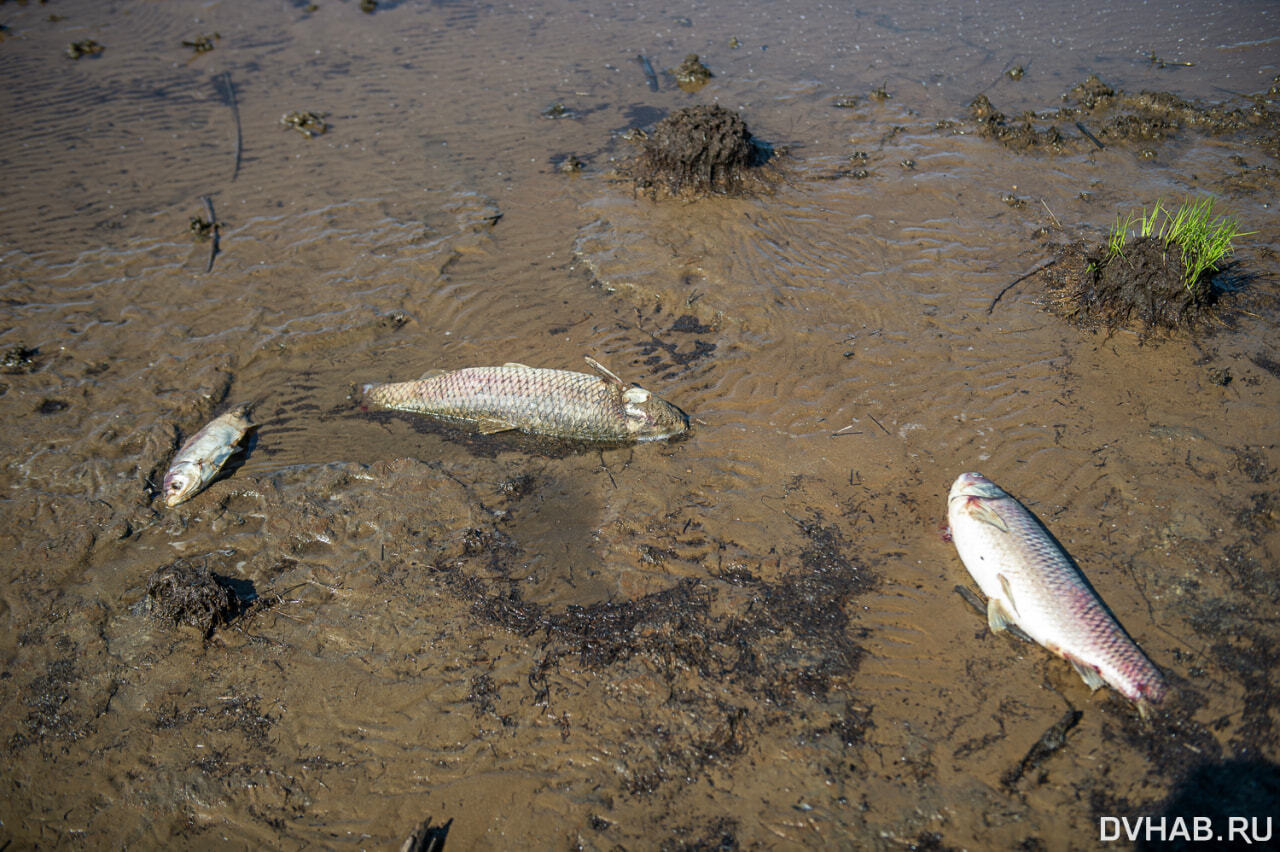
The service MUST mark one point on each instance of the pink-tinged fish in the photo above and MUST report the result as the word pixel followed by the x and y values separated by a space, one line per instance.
pixel 560 403
pixel 1031 583
pixel 203 455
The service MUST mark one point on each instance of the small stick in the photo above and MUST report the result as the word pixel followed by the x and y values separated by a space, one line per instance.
pixel 213 227
pixel 225 77
pixel 1014 283
pixel 1092 138
pixel 1056 223
pixel 878 423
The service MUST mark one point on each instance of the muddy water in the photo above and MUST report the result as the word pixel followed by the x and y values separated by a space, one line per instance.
pixel 745 639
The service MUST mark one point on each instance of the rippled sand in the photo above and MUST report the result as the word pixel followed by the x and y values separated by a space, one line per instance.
pixel 747 639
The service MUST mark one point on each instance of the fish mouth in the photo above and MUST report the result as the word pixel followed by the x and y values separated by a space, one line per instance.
pixel 975 485
pixel 175 490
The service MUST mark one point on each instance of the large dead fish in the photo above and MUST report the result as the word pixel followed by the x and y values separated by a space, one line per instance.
pixel 558 403
pixel 1031 583
pixel 203 455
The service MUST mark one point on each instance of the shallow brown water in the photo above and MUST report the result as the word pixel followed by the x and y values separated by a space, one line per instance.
pixel 747 639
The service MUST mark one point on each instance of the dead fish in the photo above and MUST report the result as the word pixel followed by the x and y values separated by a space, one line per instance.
pixel 1031 583
pixel 539 401
pixel 203 455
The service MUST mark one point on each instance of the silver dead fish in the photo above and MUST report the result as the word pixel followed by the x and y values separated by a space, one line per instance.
pixel 558 403
pixel 203 455
pixel 1031 583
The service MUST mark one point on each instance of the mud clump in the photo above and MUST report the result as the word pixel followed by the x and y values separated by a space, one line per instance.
pixel 187 592
pixel 1117 117
pixel 1019 134
pixel 692 75
pixel 698 151
pixel 1145 284
pixel 18 359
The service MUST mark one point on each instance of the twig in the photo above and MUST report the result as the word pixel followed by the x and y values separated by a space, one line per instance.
pixel 1056 223
pixel 230 95
pixel 1092 138
pixel 213 228
pixel 878 423
pixel 1015 282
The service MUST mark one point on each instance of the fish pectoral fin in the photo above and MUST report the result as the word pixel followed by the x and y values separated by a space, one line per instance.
pixel 492 425
pixel 431 374
pixel 998 618
pixel 1090 673
pixel 605 373
pixel 987 515
pixel 517 364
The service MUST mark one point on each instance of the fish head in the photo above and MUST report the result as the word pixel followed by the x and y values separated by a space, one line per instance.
pixel 180 483
pixel 649 418
pixel 969 485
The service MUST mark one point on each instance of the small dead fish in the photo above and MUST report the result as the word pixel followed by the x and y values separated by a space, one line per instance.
pixel 1031 583
pixel 539 401
pixel 203 455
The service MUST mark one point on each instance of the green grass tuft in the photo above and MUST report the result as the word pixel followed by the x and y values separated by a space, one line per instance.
pixel 1204 240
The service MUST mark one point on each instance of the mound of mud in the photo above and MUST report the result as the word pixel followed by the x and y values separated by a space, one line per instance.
pixel 1143 285
pixel 187 592
pixel 698 151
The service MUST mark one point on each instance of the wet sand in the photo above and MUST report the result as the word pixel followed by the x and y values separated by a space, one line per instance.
pixel 745 639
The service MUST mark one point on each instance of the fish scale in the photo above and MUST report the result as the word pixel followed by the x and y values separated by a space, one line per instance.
pixel 1031 583
pixel 559 403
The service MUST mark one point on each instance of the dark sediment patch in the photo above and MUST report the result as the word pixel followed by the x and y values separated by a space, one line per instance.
pixel 732 651
pixel 698 151
pixel 187 592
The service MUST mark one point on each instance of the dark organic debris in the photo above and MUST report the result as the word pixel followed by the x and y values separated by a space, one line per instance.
pixel 187 592
pixel 51 406
pixel 558 110
pixel 1145 284
pixel 85 47
pixel 568 164
pixel 1050 742
pixel 201 44
pixel 692 75
pixel 309 124
pixel 698 151
pixel 18 359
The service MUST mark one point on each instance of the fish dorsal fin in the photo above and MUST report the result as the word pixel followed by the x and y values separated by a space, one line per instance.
pixel 998 619
pixel 1008 593
pixel 517 365
pixel 605 373
pixel 987 515
pixel 431 374
pixel 1090 674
